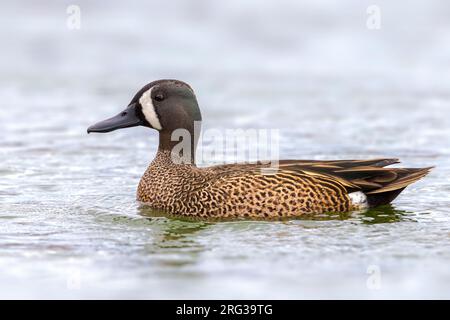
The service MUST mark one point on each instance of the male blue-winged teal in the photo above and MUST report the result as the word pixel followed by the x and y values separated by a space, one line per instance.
pixel 297 188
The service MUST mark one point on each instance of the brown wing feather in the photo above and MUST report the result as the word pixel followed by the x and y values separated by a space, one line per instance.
pixel 330 164
pixel 370 179
pixel 368 176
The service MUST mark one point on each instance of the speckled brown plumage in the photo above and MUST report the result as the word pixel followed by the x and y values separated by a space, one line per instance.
pixel 297 188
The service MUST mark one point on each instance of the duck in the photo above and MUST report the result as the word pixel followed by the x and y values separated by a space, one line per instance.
pixel 175 185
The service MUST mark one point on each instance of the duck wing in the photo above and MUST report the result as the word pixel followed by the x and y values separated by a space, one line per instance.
pixel 381 185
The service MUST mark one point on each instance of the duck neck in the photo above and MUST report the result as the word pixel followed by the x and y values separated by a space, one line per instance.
pixel 179 145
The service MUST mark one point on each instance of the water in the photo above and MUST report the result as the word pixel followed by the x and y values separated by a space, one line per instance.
pixel 70 226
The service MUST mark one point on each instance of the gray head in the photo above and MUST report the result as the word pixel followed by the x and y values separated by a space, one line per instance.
pixel 164 105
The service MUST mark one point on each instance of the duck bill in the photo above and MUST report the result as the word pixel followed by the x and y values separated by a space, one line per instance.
pixel 126 119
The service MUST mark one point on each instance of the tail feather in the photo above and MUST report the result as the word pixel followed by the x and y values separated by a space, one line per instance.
pixel 390 191
pixel 378 199
pixel 406 177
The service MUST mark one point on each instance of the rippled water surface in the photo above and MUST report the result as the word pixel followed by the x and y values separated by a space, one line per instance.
pixel 69 223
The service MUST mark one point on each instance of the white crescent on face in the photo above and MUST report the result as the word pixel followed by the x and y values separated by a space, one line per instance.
pixel 148 109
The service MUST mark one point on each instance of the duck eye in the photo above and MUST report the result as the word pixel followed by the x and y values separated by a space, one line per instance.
pixel 159 97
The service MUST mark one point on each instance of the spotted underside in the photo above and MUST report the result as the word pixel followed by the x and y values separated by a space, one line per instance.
pixel 296 189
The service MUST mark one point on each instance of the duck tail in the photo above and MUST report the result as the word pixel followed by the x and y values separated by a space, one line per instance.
pixel 390 191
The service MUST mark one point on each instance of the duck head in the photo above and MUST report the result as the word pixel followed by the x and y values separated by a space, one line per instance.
pixel 164 105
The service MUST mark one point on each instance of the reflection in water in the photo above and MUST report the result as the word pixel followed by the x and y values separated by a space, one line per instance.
pixel 383 214
pixel 175 243
pixel 186 225
pixel 177 248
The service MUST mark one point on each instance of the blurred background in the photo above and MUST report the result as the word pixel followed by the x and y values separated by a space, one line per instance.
pixel 351 79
